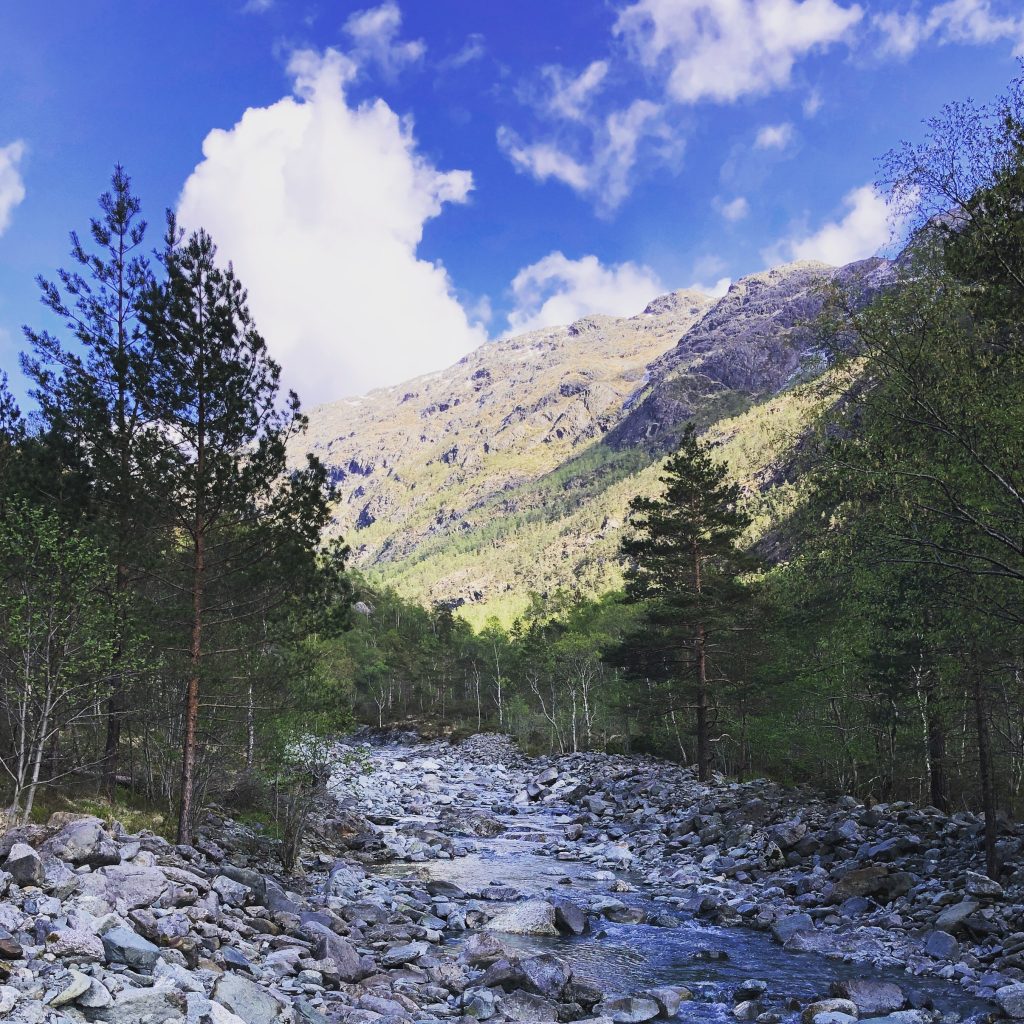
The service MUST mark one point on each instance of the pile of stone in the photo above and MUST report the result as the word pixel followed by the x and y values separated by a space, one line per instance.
pixel 890 884
pixel 99 925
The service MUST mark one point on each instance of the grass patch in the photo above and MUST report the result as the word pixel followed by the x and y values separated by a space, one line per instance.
pixel 134 812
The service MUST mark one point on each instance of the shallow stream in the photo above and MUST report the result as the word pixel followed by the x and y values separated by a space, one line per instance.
pixel 624 958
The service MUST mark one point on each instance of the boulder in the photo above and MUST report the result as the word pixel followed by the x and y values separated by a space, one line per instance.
pixel 569 916
pixel 526 1006
pixel 981 885
pixel 77 986
pixel 872 998
pixel 786 927
pixel 954 918
pixel 482 948
pixel 535 917
pixel 668 997
pixel 629 1009
pixel 126 886
pixel 24 865
pixel 75 944
pixel 1011 1000
pixel 942 946
pixel 246 999
pixel 234 894
pixel 749 1009
pixel 83 841
pixel 404 954
pixel 844 1006
pixel 327 945
pixel 866 881
pixel 134 1005
pixel 123 946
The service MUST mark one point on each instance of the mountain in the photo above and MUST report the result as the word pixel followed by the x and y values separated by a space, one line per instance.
pixel 510 472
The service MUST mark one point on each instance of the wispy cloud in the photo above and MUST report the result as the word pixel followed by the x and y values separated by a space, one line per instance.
pixel 972 22
pixel 774 136
pixel 12 185
pixel 374 34
pixel 864 228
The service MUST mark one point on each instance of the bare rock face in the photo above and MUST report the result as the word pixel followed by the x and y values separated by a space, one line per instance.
pixel 753 341
pixel 537 427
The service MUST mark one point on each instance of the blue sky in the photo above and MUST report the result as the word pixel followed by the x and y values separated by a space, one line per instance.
pixel 398 183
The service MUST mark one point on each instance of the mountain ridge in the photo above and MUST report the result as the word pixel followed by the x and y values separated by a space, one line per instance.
pixel 476 484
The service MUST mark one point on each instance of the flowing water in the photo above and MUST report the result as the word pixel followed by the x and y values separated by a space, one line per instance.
pixel 624 958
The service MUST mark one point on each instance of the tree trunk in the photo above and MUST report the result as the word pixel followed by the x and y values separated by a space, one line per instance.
pixel 938 782
pixel 988 800
pixel 190 742
pixel 703 744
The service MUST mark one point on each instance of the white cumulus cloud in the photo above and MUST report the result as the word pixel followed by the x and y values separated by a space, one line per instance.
pixel 734 210
pixel 774 136
pixel 12 187
pixel 374 34
pixel 723 49
pixel 972 22
pixel 321 205
pixel 557 290
pixel 861 232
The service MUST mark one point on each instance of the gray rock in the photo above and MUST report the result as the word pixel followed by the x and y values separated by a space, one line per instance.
pixel 135 1005
pixel 749 1009
pixel 526 1006
pixel 981 885
pixel 75 944
pixel 97 997
pixel 339 951
pixel 569 916
pixel 482 948
pixel 234 894
pixel 872 998
pixel 1011 1000
pixel 535 917
pixel 629 1009
pixel 844 1006
pixel 953 918
pixel 246 999
pixel 77 986
pixel 24 865
pixel 942 946
pixel 480 1003
pixel 404 954
pixel 83 842
pixel 785 928
pixel 123 946
pixel 668 997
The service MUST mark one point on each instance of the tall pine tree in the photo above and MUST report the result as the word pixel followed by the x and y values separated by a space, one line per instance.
pixel 92 396
pixel 249 524
pixel 683 560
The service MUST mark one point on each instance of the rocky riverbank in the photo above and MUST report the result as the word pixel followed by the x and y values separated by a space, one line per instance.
pixel 471 883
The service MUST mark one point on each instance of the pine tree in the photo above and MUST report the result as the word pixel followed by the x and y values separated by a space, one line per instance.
pixel 683 558
pixel 11 427
pixel 92 398
pixel 249 523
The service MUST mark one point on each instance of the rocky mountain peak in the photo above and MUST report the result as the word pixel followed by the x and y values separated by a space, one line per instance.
pixel 526 429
